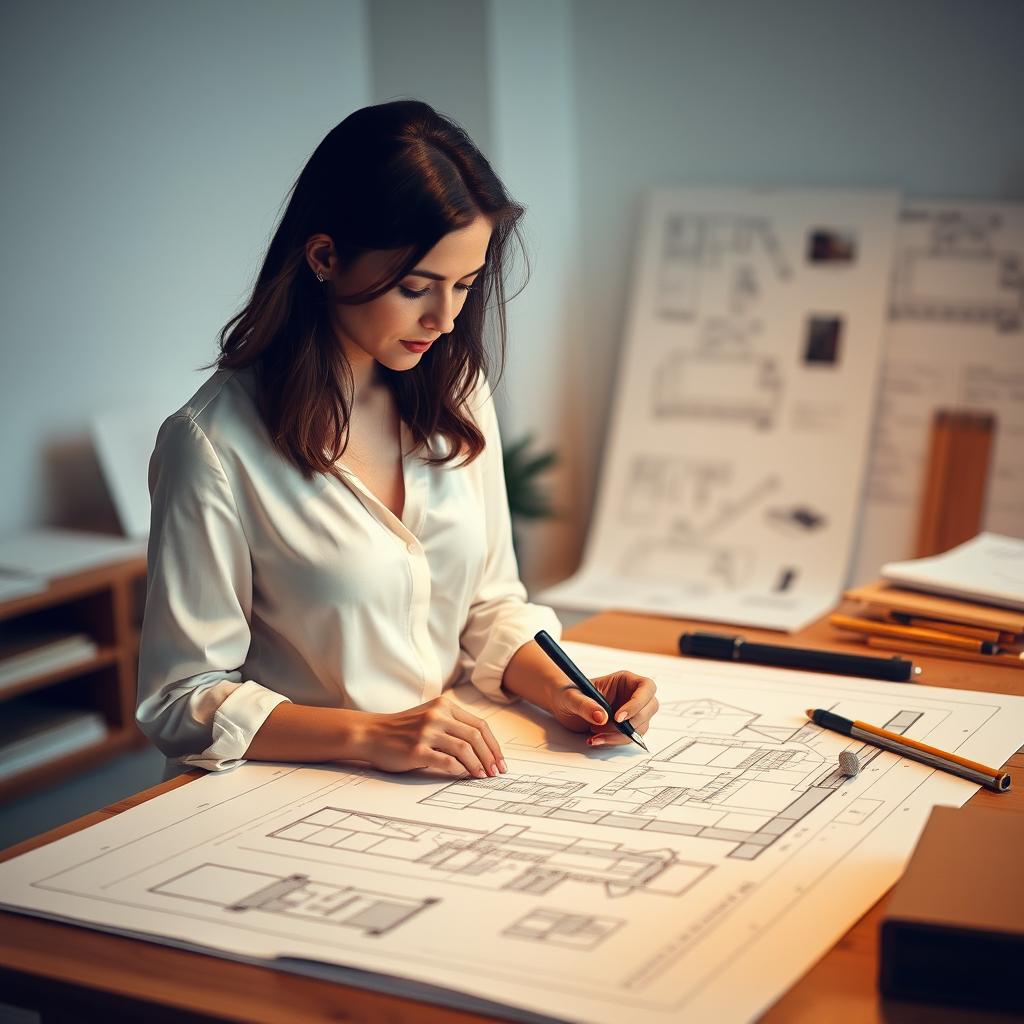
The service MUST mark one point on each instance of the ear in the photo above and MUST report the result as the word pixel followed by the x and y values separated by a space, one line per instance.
pixel 320 254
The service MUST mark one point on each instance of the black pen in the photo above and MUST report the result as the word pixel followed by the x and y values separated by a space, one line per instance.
pixel 548 645
pixel 735 648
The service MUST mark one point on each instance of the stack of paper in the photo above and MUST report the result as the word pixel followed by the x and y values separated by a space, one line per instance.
pixel 988 568
pixel 33 732
pixel 23 655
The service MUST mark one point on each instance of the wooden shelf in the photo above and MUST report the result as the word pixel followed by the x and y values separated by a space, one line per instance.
pixel 104 604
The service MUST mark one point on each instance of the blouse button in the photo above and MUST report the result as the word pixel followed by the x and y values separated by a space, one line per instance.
pixel 411 547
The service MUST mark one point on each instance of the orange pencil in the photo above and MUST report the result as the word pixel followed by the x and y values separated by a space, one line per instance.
pixel 869 627
pixel 991 778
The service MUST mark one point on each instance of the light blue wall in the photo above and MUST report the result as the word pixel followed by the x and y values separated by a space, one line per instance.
pixel 145 151
pixel 923 95
pixel 434 51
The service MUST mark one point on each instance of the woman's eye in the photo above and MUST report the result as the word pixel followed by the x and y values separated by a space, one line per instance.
pixel 414 293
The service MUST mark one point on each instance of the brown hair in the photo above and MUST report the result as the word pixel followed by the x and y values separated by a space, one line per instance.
pixel 397 176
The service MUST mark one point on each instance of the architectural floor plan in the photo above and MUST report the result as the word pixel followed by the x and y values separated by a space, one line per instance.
pixel 694 882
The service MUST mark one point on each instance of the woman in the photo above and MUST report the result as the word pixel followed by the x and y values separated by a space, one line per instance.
pixel 330 547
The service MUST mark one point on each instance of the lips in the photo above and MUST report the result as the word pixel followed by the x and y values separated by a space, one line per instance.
pixel 417 346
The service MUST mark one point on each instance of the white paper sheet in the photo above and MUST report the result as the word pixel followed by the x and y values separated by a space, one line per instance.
pixel 697 883
pixel 989 568
pixel 46 552
pixel 955 340
pixel 733 471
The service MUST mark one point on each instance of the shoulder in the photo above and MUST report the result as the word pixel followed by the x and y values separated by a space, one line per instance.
pixel 221 418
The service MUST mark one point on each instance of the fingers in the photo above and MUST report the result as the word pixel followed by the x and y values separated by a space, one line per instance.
pixel 578 703
pixel 463 752
pixel 641 705
pixel 483 730
pixel 482 760
pixel 633 698
pixel 464 737
pixel 439 762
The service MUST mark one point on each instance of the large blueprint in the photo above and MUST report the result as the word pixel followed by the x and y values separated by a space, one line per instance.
pixel 697 882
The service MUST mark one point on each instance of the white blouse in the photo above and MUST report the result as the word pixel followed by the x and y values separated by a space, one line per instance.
pixel 265 586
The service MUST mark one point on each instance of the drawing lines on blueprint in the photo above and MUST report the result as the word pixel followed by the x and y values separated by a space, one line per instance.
pixel 563 928
pixel 513 858
pixel 296 895
pixel 728 777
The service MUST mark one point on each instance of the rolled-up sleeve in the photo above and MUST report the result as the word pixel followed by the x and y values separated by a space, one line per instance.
pixel 193 702
pixel 500 619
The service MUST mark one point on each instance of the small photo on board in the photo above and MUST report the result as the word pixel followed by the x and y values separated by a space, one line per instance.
pixel 831 245
pixel 823 342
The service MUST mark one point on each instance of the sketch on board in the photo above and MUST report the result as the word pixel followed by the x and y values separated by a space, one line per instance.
pixel 796 518
pixel 959 271
pixel 690 497
pixel 514 858
pixel 718 252
pixel 684 503
pixel 737 387
pixel 296 895
pixel 755 332
pixel 955 341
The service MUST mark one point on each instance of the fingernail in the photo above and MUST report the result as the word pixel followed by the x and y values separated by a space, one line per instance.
pixel 492 770
pixel 596 741
pixel 480 773
pixel 598 717
pixel 503 766
pixel 621 716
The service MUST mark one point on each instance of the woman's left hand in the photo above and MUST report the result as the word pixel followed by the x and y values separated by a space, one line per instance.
pixel 630 696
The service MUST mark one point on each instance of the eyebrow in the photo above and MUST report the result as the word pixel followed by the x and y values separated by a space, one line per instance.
pixel 420 272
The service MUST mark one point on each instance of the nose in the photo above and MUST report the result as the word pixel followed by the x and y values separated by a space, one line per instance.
pixel 441 315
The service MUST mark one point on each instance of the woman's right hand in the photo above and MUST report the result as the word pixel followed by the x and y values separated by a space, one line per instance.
pixel 437 735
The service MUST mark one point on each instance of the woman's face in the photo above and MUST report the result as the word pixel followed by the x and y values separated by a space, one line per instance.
pixel 396 328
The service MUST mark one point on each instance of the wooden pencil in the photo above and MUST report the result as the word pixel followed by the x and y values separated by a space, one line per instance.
pixel 893 645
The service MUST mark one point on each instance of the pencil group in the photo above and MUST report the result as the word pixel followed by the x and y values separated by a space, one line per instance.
pixel 899 631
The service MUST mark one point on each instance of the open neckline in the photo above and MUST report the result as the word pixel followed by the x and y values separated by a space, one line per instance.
pixel 410 512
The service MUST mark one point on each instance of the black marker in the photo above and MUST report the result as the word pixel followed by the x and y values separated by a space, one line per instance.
pixel 548 645
pixel 735 648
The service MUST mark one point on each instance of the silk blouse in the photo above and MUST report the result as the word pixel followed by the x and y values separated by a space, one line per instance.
pixel 265 586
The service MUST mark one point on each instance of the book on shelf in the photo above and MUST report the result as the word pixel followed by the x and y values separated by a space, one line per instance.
pixel 24 654
pixel 33 732
pixel 17 584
